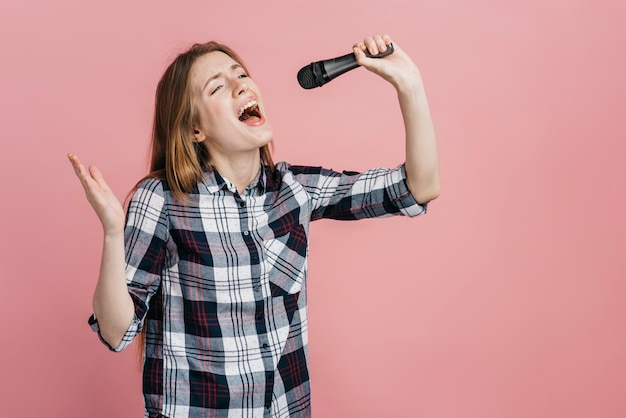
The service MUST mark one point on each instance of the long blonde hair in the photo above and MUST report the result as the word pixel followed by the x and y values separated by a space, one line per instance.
pixel 174 155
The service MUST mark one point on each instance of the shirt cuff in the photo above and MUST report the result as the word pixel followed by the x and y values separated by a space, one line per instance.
pixel 132 331
pixel 401 195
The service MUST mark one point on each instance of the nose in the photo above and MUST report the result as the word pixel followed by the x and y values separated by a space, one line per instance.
pixel 241 86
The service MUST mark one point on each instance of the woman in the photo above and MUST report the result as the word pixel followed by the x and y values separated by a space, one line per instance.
pixel 210 263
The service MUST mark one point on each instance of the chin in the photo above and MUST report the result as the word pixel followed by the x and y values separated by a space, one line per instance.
pixel 265 135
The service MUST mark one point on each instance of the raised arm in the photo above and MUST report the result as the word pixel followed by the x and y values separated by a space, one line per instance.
pixel 112 303
pixel 422 162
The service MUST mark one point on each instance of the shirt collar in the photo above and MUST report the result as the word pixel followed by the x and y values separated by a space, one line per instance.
pixel 215 182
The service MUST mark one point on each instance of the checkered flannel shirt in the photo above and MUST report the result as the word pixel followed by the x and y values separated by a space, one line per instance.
pixel 220 285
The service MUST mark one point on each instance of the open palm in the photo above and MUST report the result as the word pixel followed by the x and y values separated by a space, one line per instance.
pixel 104 202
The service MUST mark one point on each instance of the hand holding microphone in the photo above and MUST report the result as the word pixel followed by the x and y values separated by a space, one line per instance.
pixel 319 73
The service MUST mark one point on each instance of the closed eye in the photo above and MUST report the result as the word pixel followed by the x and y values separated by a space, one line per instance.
pixel 240 76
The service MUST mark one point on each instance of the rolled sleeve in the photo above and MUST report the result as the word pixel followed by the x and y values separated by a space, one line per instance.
pixel 133 329
pixel 401 195
pixel 378 192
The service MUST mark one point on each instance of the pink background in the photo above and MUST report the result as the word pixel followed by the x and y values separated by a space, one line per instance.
pixel 506 300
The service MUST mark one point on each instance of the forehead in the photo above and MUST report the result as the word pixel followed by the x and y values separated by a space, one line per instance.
pixel 210 65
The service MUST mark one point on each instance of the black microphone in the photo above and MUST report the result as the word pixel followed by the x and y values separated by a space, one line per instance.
pixel 319 73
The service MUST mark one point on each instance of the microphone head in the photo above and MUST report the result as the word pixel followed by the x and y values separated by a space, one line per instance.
pixel 311 76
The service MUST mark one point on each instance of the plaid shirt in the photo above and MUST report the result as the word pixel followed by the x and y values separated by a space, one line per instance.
pixel 220 285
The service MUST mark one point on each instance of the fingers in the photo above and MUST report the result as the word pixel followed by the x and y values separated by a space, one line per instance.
pixel 375 44
pixel 80 170
pixel 96 174
pixel 87 177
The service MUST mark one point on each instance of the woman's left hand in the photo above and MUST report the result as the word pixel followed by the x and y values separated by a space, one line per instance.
pixel 397 68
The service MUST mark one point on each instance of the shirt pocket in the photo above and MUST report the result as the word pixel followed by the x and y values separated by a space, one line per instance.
pixel 285 261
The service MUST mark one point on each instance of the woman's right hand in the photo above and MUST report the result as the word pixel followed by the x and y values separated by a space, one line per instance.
pixel 102 199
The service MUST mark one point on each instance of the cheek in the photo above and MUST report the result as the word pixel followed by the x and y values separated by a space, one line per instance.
pixel 214 115
pixel 208 119
pixel 216 124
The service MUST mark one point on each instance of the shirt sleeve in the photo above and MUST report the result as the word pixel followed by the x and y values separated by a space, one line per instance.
pixel 378 192
pixel 145 236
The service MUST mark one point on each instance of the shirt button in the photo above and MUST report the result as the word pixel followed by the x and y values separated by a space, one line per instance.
pixel 259 315
pixel 246 233
pixel 242 204
pixel 265 345
pixel 257 288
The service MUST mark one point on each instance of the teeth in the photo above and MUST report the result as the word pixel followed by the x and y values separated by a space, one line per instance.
pixel 247 106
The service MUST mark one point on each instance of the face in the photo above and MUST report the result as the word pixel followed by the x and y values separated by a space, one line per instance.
pixel 230 107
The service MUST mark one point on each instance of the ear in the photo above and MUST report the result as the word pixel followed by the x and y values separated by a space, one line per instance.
pixel 198 135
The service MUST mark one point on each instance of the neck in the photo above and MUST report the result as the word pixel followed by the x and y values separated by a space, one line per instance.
pixel 240 169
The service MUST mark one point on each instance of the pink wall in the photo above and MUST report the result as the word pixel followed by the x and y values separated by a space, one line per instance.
pixel 507 300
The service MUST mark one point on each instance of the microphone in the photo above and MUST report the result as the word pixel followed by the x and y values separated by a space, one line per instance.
pixel 319 73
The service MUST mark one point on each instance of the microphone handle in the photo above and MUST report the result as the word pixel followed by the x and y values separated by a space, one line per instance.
pixel 334 67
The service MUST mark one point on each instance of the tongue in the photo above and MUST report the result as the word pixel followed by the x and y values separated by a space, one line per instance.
pixel 250 119
pixel 250 116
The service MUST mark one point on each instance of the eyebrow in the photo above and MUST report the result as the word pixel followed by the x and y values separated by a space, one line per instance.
pixel 218 75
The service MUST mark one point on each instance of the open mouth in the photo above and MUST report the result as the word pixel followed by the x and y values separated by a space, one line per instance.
pixel 250 112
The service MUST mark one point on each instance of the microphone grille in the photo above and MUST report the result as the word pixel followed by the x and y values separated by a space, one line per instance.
pixel 306 77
